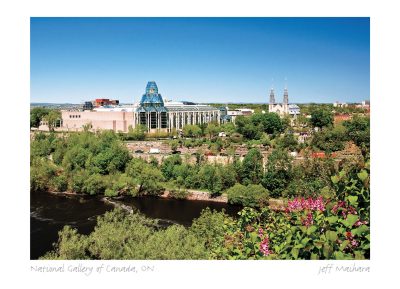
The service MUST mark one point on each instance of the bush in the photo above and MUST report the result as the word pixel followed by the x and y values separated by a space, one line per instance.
pixel 250 195
pixel 179 194
pixel 131 237
pixel 59 183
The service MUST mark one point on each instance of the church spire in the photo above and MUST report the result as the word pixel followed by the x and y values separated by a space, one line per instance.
pixel 272 97
pixel 285 96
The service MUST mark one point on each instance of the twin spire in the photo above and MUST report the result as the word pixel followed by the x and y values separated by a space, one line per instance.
pixel 285 96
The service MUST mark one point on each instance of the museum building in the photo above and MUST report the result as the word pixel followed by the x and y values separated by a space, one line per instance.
pixel 152 112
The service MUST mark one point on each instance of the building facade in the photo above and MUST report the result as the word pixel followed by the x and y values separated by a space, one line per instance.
pixel 151 112
pixel 283 108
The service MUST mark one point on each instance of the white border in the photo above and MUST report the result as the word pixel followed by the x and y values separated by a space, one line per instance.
pixel 14 67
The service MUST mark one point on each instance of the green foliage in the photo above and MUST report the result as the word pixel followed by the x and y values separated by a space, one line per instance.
pixel 330 139
pixel 191 130
pixel 168 165
pixel 278 172
pixel 37 114
pixel 179 194
pixel 130 237
pixel 311 178
pixel 271 122
pixel 148 178
pixel 252 167
pixel 358 130
pixel 250 195
pixel 137 133
pixel 288 141
pixel 52 118
pixel 210 179
pixel 59 183
pixel 321 117
pixel 212 130
pixel 71 246
pixel 229 128
pixel 210 227
pixel 41 173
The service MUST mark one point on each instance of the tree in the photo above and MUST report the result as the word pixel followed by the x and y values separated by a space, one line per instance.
pixel 249 196
pixel 271 122
pixel 288 141
pixel 321 117
pixel 278 172
pixel 210 227
pixel 168 164
pixel 191 131
pixel 210 179
pixel 120 236
pixel 212 129
pixel 252 167
pixel 37 114
pixel 229 128
pixel 358 130
pixel 148 178
pixel 137 133
pixel 330 139
pixel 52 118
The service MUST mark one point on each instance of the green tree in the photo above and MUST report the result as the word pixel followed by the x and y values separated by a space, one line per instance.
pixel 52 118
pixel 168 164
pixel 321 117
pixel 250 195
pixel 288 141
pixel 330 139
pixel 191 131
pixel 148 178
pixel 229 128
pixel 358 130
pixel 120 236
pixel 278 172
pixel 137 133
pixel 212 130
pixel 37 114
pixel 210 179
pixel 252 167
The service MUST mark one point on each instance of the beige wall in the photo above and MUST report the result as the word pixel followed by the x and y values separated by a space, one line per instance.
pixel 113 120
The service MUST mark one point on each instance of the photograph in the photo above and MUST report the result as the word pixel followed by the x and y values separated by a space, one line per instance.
pixel 199 138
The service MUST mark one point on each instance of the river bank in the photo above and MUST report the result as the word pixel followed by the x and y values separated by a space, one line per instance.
pixel 50 212
pixel 192 195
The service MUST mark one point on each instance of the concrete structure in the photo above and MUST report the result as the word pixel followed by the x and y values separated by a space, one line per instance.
pixel 228 115
pixel 283 108
pixel 113 120
pixel 152 112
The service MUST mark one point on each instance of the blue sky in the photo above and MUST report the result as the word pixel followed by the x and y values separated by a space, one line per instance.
pixel 200 59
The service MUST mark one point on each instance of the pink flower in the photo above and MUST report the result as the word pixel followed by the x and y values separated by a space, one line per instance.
pixel 264 244
pixel 308 221
pixel 310 204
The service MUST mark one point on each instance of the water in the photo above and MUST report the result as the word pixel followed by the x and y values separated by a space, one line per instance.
pixel 50 213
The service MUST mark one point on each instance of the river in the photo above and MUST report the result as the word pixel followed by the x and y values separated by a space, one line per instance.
pixel 49 213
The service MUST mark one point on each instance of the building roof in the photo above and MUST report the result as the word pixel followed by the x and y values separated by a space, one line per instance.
pixel 151 95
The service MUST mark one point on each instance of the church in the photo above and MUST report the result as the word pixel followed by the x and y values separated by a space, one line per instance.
pixel 283 108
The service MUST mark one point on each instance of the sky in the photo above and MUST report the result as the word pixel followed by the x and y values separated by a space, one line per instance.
pixel 220 60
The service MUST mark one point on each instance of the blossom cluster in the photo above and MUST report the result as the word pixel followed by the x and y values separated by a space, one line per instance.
pixel 264 245
pixel 344 208
pixel 308 221
pixel 351 239
pixel 300 204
